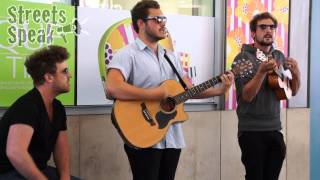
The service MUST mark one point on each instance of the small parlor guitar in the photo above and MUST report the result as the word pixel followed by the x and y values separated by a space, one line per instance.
pixel 142 124
pixel 279 81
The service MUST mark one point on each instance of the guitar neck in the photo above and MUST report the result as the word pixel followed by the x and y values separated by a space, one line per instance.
pixel 276 70
pixel 242 68
pixel 196 90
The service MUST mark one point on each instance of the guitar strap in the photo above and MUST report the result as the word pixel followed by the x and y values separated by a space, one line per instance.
pixel 183 84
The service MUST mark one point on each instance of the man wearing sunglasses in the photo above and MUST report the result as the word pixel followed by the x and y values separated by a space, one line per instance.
pixel 35 125
pixel 136 73
pixel 261 142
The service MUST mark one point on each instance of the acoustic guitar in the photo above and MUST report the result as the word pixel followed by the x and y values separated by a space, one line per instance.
pixel 279 81
pixel 142 124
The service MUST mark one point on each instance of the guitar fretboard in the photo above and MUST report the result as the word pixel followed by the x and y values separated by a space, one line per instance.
pixel 184 96
pixel 278 72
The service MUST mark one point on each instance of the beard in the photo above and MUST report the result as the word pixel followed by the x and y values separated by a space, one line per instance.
pixel 264 42
pixel 64 91
pixel 152 36
pixel 60 89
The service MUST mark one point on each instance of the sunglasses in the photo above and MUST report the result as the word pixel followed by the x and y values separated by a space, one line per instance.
pixel 158 19
pixel 65 71
pixel 265 26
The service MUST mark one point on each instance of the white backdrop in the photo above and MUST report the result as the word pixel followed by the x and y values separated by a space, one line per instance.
pixel 192 35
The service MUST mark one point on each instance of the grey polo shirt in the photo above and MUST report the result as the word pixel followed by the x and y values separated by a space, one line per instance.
pixel 140 67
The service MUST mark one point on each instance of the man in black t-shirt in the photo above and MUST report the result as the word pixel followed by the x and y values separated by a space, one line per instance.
pixel 35 125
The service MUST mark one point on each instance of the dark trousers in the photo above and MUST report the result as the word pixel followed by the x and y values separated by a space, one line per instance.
pixel 153 164
pixel 262 154
pixel 50 172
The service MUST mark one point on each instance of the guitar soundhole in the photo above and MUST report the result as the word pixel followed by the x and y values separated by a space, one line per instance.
pixel 168 104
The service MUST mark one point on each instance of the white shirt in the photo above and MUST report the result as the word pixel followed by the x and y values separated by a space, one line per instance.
pixel 140 67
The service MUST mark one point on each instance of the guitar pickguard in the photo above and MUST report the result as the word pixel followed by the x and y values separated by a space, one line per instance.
pixel 163 119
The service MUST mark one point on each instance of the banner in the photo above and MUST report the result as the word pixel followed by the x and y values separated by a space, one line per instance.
pixel 239 14
pixel 104 32
pixel 24 28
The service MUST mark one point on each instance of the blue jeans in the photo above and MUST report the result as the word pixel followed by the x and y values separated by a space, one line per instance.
pixel 50 172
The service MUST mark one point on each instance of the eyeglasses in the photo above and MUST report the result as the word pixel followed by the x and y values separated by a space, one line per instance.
pixel 264 26
pixel 65 71
pixel 158 19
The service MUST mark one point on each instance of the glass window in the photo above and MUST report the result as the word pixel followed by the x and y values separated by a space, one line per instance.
pixel 48 1
pixel 184 7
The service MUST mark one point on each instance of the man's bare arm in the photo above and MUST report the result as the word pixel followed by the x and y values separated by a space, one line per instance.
pixel 18 141
pixel 61 155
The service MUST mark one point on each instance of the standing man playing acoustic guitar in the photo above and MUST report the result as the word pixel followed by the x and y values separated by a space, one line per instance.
pixel 135 73
pixel 261 142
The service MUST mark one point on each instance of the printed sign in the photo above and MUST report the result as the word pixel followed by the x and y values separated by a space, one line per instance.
pixel 24 28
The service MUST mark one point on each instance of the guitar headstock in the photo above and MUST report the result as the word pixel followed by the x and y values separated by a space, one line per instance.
pixel 242 68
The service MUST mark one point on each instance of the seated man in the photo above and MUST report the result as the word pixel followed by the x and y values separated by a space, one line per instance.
pixel 35 125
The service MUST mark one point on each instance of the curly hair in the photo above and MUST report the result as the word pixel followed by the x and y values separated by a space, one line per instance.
pixel 141 11
pixel 261 16
pixel 44 61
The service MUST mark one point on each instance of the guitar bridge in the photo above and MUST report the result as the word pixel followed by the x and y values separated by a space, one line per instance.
pixel 146 114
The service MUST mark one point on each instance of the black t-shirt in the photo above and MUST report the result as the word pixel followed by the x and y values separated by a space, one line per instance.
pixel 30 109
